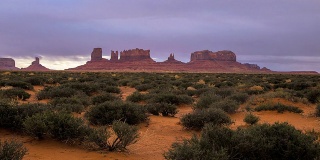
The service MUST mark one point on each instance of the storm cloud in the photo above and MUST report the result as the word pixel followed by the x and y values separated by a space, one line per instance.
pixel 280 35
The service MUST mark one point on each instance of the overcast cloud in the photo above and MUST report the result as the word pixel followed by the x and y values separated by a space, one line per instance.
pixel 277 34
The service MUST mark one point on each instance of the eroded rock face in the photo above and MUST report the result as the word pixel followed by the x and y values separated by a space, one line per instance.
pixel 7 64
pixel 171 59
pixel 114 56
pixel 36 66
pixel 135 55
pixel 214 56
pixel 251 66
pixel 96 54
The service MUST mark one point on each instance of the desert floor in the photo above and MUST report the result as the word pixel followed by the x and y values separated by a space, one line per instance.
pixel 156 136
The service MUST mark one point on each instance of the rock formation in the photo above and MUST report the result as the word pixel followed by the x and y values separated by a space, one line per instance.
pixel 139 60
pixel 171 59
pixel 135 55
pixel 96 54
pixel 114 56
pixel 253 66
pixel 36 66
pixel 213 56
pixel 7 64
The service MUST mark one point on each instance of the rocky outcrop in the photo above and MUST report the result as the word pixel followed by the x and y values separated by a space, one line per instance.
pixel 35 66
pixel 135 55
pixel 114 56
pixel 252 66
pixel 7 64
pixel 171 59
pixel 96 54
pixel 139 60
pixel 213 56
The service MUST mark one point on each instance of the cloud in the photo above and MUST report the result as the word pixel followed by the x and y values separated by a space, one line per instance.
pixel 72 28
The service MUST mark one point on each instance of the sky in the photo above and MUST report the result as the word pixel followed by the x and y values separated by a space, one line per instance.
pixel 282 35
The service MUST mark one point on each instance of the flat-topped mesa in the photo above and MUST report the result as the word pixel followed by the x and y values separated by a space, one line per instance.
pixel 135 55
pixel 114 56
pixel 214 56
pixel 7 64
pixel 96 54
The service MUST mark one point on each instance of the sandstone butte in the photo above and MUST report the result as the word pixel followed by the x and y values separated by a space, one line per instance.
pixel 139 60
pixel 35 66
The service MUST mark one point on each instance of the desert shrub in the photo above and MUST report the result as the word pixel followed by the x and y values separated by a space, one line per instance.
pixel 197 119
pixel 64 126
pixel 58 125
pixel 104 97
pixel 277 141
pixel 251 119
pixel 16 93
pixel 239 97
pixel 135 97
pixel 280 108
pixel 143 87
pixel 313 96
pixel 12 117
pixel 36 80
pixel 111 89
pixel 36 125
pixel 20 84
pixel 224 92
pixel 125 135
pixel 53 92
pixel 121 136
pixel 170 98
pixel 87 88
pixel 206 100
pixel 110 111
pixel 255 90
pixel 227 105
pixel 12 150
pixel 318 110
pixel 72 104
pixel 164 108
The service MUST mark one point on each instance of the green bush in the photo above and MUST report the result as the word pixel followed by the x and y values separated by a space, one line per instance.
pixel 111 89
pixel 251 119
pixel 277 141
pixel 144 87
pixel 36 125
pixel 72 104
pixel 206 100
pixel 12 117
pixel 104 98
pixel 170 98
pixel 124 135
pixel 12 150
pixel 20 84
pixel 164 108
pixel 199 118
pixel 16 93
pixel 58 125
pixel 313 96
pixel 54 92
pixel 227 105
pixel 239 97
pixel 135 97
pixel 110 111
pixel 280 108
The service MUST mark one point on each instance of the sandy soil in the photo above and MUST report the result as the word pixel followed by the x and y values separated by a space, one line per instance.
pixel 156 136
